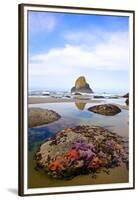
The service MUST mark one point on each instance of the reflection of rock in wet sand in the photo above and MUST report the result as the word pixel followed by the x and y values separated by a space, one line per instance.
pixel 80 105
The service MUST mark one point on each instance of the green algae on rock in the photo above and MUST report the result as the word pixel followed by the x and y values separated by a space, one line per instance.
pixel 105 109
pixel 38 116
pixel 82 150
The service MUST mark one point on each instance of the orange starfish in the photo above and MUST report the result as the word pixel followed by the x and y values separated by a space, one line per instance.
pixel 67 129
pixel 57 164
pixel 96 162
pixel 72 154
pixel 118 147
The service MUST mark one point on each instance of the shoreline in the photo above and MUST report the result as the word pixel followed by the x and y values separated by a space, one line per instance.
pixel 35 179
pixel 41 100
pixel 37 100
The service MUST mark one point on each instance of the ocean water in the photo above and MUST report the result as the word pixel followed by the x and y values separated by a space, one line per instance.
pixel 73 114
pixel 43 92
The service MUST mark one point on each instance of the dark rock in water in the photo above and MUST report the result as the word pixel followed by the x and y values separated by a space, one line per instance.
pixel 127 101
pixel 38 116
pixel 126 95
pixel 127 98
pixel 46 94
pixel 77 93
pixel 67 96
pixel 98 97
pixel 105 109
pixel 81 150
pixel 81 86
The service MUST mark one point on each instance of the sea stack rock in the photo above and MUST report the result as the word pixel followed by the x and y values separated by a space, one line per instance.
pixel 81 86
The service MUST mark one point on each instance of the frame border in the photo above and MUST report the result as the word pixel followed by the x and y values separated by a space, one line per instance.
pixel 21 97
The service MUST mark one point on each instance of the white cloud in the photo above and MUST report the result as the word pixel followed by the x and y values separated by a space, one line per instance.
pixel 110 54
pixel 90 36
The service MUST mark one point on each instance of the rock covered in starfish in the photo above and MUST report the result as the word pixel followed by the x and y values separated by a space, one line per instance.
pixel 81 150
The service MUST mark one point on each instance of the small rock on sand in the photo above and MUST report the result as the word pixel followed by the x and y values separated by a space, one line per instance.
pixel 105 109
pixel 38 116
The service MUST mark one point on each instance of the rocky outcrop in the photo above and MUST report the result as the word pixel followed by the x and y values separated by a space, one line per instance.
pixel 98 97
pixel 82 150
pixel 77 93
pixel 127 98
pixel 126 95
pixel 81 86
pixel 105 109
pixel 127 101
pixel 38 116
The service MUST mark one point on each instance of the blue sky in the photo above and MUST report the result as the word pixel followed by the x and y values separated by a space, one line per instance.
pixel 65 46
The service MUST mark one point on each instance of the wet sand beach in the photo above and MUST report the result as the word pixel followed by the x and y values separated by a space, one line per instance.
pixel 43 100
pixel 37 100
pixel 73 114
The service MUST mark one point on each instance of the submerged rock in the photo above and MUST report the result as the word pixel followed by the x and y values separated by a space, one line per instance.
pixel 81 86
pixel 38 116
pixel 98 97
pixel 81 150
pixel 105 109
